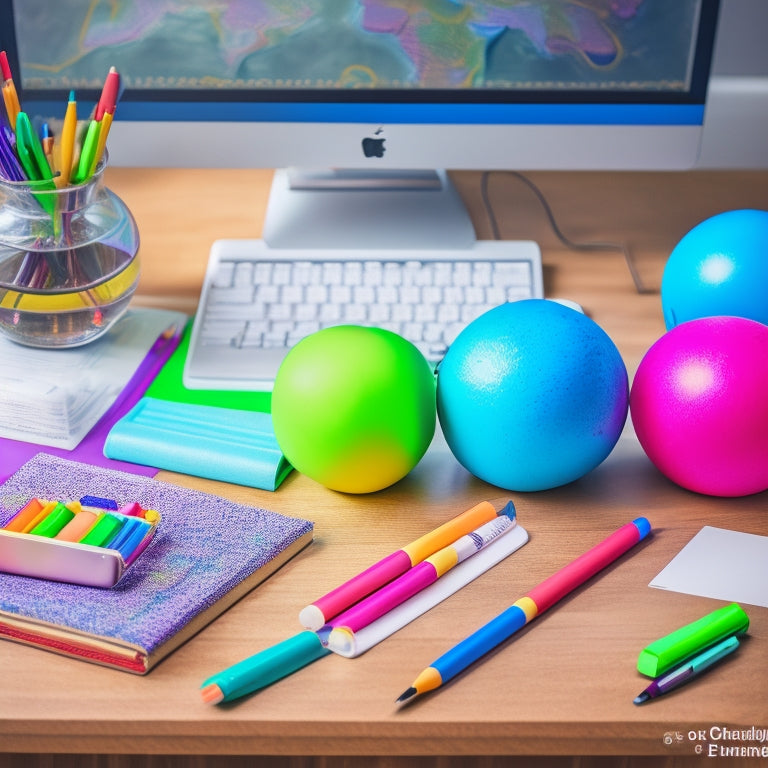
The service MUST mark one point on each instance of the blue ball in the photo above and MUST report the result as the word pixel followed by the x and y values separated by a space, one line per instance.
pixel 719 268
pixel 532 395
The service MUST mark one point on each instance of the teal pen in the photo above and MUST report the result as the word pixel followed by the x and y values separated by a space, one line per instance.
pixel 263 668
pixel 690 669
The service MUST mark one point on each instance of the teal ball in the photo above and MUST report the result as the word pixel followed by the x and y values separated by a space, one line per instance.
pixel 532 395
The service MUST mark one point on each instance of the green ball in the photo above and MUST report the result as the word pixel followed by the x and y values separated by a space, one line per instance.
pixel 354 408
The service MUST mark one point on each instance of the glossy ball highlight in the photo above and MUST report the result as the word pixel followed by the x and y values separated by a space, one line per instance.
pixel 700 408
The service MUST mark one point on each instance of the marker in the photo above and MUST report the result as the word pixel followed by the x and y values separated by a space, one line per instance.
pixel 263 669
pixel 54 521
pixel 26 515
pixel 527 608
pixel 319 613
pixel 340 633
pixel 688 670
pixel 104 529
pixel 131 509
pixel 87 153
pixel 30 152
pixel 76 528
pixel 129 536
pixel 681 645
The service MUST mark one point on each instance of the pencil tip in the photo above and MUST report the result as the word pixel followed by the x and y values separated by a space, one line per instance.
pixel 212 694
pixel 409 694
pixel 643 697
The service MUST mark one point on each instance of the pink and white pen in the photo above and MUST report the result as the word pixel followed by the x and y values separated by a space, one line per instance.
pixel 319 613
pixel 341 630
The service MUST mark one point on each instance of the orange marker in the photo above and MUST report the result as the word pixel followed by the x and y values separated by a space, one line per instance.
pixel 30 515
pixel 78 526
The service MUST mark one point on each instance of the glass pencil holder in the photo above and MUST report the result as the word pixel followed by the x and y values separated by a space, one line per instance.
pixel 68 261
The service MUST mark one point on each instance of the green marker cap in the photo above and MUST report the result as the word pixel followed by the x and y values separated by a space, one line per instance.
pixel 667 652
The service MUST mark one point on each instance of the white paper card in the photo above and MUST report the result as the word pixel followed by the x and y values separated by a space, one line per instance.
pixel 722 564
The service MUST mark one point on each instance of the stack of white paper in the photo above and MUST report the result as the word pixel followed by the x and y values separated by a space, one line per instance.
pixel 54 397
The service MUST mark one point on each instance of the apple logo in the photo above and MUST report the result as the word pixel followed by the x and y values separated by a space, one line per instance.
pixel 373 146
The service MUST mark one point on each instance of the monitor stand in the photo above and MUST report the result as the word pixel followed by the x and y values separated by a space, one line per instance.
pixel 366 209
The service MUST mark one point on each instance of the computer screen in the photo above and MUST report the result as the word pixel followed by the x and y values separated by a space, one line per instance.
pixel 377 84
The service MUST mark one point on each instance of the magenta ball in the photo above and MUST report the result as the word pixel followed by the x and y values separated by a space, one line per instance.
pixel 699 405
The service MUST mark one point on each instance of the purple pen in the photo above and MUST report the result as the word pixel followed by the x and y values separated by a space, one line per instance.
pixel 688 670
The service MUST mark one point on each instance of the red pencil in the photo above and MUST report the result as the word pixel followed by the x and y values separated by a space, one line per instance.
pixel 109 95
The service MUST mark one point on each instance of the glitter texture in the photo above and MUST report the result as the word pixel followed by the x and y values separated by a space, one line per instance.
pixel 204 547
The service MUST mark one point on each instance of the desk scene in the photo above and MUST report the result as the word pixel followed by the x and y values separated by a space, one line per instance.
pixel 270 498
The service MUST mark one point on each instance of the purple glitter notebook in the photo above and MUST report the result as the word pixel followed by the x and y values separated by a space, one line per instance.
pixel 207 553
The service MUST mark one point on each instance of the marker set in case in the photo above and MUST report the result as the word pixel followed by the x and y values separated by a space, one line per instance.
pixel 90 542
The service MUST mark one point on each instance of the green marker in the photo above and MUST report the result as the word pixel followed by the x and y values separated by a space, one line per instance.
pixel 665 653
pixel 264 668
pixel 103 530
pixel 54 521
pixel 87 153
pixel 34 162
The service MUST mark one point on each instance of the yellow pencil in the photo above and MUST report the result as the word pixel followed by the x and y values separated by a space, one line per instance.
pixel 68 132
pixel 106 124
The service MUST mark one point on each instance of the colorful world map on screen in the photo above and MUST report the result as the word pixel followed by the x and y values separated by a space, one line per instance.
pixel 442 44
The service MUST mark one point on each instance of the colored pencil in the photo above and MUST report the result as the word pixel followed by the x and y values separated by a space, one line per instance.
pixel 527 608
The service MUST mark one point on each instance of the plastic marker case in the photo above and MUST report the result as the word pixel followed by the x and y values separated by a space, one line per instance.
pixel 37 541
pixel 673 649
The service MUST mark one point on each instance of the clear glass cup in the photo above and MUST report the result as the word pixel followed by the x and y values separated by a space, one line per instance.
pixel 68 261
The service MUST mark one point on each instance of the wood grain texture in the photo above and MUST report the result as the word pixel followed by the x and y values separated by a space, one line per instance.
pixel 564 685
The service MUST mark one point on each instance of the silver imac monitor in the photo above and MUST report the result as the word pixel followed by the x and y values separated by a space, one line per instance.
pixel 362 104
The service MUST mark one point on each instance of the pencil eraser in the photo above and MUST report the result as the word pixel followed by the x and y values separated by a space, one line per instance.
pixel 673 649
pixel 643 526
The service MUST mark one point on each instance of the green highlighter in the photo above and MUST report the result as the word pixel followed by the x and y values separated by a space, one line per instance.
pixel 54 521
pixel 665 653
pixel 103 530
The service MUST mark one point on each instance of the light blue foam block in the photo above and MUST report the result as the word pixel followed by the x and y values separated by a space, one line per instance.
pixel 202 440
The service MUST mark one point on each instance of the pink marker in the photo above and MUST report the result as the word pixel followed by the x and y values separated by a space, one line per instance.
pixel 417 578
pixel 319 613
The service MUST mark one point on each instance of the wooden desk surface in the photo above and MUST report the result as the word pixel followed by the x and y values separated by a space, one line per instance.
pixel 564 686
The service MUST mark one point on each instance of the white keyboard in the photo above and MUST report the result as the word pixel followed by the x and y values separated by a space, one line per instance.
pixel 258 302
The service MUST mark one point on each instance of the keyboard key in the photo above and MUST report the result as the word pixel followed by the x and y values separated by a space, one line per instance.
pixel 255 300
